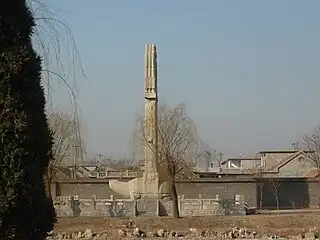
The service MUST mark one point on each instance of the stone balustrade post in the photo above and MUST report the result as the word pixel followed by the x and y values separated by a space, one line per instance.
pixel 158 208
pixel 181 202
pixel 200 201
pixel 94 201
pixel 135 208
pixel 217 197
pixel 239 199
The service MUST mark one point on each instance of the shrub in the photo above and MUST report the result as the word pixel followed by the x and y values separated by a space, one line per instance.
pixel 25 140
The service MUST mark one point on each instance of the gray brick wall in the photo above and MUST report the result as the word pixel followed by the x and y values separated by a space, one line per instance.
pixel 294 193
pixel 208 189
pixel 225 190
pixel 86 189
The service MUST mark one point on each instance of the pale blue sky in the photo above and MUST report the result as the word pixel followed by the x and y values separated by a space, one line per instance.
pixel 248 71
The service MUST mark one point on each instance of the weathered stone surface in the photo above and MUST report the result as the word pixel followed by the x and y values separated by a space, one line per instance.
pixel 99 208
pixel 71 207
pixel 193 232
pixel 151 234
pixel 87 234
pixel 310 236
pixel 161 232
pixel 147 186
pixel 147 207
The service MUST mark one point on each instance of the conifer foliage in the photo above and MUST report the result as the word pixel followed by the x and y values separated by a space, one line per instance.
pixel 25 140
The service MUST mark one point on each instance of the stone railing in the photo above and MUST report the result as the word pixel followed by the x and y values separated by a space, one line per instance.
pixel 117 174
pixel 205 207
pixel 67 206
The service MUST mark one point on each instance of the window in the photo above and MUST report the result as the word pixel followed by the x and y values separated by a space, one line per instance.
pixel 301 159
pixel 237 162
pixel 102 174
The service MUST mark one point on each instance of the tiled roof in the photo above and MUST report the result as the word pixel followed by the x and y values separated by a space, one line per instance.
pixel 285 151
pixel 312 173
pixel 285 160
pixel 245 158
pixel 274 162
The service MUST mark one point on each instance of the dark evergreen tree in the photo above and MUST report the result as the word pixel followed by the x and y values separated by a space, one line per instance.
pixel 25 140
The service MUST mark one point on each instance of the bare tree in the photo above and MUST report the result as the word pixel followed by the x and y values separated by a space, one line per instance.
pixel 311 142
pixel 68 141
pixel 53 38
pixel 176 146
pixel 275 184
pixel 208 155
pixel 257 171
pixel 121 164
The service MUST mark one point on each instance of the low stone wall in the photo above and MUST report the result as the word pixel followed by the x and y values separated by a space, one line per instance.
pixel 72 206
pixel 205 207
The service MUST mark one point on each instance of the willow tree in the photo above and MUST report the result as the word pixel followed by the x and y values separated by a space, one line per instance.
pixel 68 142
pixel 25 140
pixel 177 145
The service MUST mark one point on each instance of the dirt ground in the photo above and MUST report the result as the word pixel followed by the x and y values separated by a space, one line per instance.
pixel 288 224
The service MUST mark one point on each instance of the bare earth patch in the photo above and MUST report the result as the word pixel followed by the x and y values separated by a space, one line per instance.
pixel 281 225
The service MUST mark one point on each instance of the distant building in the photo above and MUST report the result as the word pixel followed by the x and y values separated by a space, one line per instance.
pixel 273 163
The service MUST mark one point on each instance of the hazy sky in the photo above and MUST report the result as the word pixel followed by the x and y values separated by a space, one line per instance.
pixel 248 71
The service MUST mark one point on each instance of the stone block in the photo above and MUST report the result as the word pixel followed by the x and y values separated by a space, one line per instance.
pixel 147 207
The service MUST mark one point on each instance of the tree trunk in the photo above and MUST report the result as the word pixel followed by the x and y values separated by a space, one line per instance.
pixel 261 196
pixel 48 183
pixel 174 196
pixel 277 201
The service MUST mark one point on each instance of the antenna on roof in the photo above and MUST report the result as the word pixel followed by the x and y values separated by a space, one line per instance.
pixel 295 146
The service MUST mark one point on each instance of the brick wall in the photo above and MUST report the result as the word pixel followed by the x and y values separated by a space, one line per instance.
pixel 292 193
pixel 85 189
pixel 226 189
pixel 314 193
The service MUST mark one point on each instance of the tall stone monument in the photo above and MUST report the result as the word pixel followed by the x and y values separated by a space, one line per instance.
pixel 150 185
pixel 151 174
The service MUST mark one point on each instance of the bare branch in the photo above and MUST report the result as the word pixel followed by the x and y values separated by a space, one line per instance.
pixel 311 142
pixel 175 146
pixel 206 154
pixel 65 134
pixel 257 172
pixel 177 138
pixel 53 38
pixel 275 184
pixel 120 164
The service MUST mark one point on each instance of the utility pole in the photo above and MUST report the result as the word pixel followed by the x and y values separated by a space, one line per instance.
pixel 75 159
pixel 78 147
pixel 98 158
pixel 295 146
